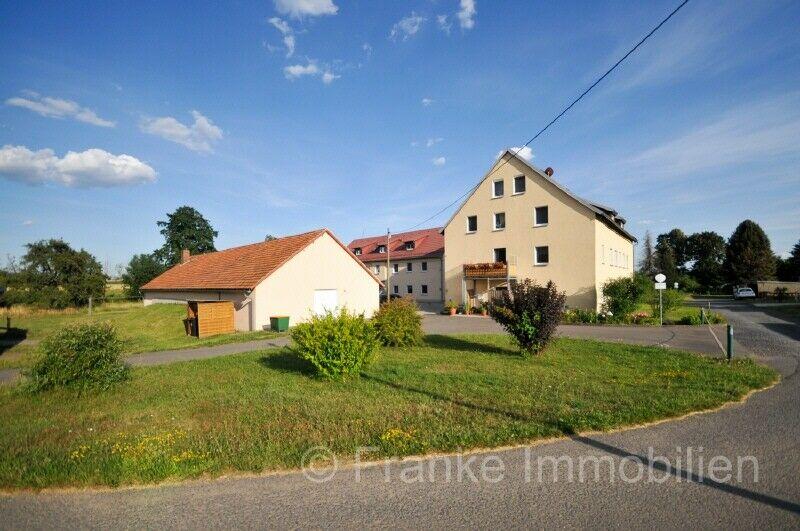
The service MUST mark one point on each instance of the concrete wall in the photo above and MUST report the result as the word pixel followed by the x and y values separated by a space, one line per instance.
pixel 417 278
pixel 322 265
pixel 240 303
pixel 570 234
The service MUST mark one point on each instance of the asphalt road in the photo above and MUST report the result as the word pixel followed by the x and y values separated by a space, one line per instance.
pixel 758 438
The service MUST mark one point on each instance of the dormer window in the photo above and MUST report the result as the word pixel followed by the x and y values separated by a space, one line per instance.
pixel 357 251
pixel 382 249
pixel 409 246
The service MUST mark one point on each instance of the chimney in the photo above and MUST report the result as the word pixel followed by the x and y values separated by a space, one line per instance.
pixel 185 254
pixel 549 171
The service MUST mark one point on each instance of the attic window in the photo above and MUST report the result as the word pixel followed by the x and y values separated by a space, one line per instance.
pixel 382 249
pixel 357 251
pixel 409 246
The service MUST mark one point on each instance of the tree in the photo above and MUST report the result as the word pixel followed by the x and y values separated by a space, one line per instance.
pixel 54 275
pixel 185 228
pixel 141 269
pixel 749 255
pixel 707 252
pixel 792 267
pixel 269 238
pixel 678 241
pixel 665 262
pixel 647 265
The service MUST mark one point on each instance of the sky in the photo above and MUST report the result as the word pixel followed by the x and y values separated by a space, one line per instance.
pixel 278 117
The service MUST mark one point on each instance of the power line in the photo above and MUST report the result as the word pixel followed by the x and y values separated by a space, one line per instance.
pixel 563 112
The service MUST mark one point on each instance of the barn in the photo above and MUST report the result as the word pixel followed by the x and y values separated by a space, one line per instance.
pixel 295 276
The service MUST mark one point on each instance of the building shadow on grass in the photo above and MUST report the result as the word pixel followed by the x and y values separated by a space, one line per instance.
pixel 285 360
pixel 11 337
pixel 462 343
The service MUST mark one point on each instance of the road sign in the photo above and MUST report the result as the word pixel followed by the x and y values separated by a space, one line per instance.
pixel 661 277
pixel 661 285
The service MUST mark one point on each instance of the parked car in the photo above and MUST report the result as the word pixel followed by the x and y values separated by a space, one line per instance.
pixel 744 293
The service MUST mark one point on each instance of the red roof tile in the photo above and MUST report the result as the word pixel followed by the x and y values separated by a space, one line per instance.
pixel 428 243
pixel 237 268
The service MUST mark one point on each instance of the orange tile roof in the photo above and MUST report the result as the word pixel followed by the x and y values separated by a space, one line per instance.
pixel 428 243
pixel 238 268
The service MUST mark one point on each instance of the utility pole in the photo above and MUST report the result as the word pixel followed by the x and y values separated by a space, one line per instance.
pixel 388 236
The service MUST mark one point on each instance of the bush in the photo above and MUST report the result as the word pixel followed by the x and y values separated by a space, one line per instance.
pixel 579 316
pixel 398 324
pixel 620 297
pixel 337 345
pixel 530 313
pixel 671 299
pixel 82 357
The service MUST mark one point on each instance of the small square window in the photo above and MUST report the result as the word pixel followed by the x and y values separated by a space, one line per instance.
pixel 377 269
pixel 409 289
pixel 472 223
pixel 381 249
pixel 357 251
pixel 540 216
pixel 500 255
pixel 542 255
pixel 409 246
pixel 395 268
pixel 396 290
pixel 424 266
pixel 498 188
pixel 424 289
pixel 409 267
pixel 499 221
pixel 519 184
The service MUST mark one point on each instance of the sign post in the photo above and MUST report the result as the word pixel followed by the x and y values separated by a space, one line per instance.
pixel 661 285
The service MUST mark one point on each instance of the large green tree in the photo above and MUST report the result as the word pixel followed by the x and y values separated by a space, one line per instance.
pixel 707 252
pixel 54 275
pixel 140 270
pixel 665 262
pixel 647 264
pixel 679 243
pixel 749 255
pixel 185 228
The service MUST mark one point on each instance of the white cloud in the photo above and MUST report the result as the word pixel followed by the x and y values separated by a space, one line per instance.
pixel 466 15
pixel 433 141
pixel 426 102
pixel 199 136
pixel 367 47
pixel 443 23
pixel 301 8
pixel 90 168
pixel 58 108
pixel 328 77
pixel 407 27
pixel 27 223
pixel 525 152
pixel 439 161
pixel 414 143
pixel 296 71
pixel 287 32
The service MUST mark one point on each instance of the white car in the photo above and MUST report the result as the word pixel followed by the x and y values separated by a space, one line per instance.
pixel 744 293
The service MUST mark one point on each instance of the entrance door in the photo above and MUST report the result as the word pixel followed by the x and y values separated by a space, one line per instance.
pixel 325 300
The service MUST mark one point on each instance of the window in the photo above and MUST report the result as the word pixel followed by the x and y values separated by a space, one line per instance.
pixel 381 248
pixel 540 216
pixel 424 289
pixel 357 251
pixel 519 184
pixel 424 266
pixel 377 269
pixel 395 268
pixel 396 290
pixel 497 188
pixel 409 289
pixel 500 255
pixel 409 246
pixel 409 267
pixel 472 223
pixel 499 221
pixel 541 255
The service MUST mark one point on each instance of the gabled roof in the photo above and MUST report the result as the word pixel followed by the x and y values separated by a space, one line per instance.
pixel 238 268
pixel 428 243
pixel 603 213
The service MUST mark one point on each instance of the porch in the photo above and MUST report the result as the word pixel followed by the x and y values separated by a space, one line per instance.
pixel 480 283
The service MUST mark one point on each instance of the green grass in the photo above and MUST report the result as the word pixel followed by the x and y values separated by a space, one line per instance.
pixel 142 328
pixel 262 410
pixel 674 315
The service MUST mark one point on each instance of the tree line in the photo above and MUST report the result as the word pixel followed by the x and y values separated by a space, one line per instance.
pixel 708 263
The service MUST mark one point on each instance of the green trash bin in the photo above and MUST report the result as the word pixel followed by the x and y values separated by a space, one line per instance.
pixel 279 323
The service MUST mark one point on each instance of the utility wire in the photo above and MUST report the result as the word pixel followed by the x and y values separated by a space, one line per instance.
pixel 562 113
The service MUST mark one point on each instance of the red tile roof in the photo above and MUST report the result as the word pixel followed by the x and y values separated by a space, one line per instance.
pixel 428 243
pixel 238 268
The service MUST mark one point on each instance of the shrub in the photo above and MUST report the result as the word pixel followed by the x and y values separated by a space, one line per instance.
pixel 337 345
pixel 620 296
pixel 671 299
pixel 82 357
pixel 398 324
pixel 530 313
pixel 579 316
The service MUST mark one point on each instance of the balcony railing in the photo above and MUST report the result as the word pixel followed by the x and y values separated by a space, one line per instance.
pixel 487 270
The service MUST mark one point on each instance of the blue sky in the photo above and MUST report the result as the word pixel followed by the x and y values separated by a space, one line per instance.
pixel 280 117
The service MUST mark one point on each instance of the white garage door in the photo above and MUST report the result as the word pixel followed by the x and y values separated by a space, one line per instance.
pixel 325 300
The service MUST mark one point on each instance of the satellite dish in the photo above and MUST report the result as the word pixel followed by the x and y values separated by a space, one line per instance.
pixel 660 277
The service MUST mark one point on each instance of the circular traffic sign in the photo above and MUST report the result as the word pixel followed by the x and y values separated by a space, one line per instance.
pixel 660 277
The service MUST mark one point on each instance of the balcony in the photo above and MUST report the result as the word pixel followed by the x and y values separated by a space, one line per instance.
pixel 489 270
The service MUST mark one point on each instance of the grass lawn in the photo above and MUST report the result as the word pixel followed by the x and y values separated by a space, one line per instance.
pixel 675 314
pixel 143 328
pixel 262 410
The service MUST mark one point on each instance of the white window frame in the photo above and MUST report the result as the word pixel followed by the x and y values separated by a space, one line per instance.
pixel 424 266
pixel 395 267
pixel 514 185
pixel 424 289
pixel 409 267
pixel 476 224
pixel 536 261
pixel 494 190
pixel 494 222
pixel 536 220
pixel 357 251
pixel 382 249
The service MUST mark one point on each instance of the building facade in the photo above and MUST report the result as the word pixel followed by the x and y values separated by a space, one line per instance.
pixel 415 267
pixel 519 223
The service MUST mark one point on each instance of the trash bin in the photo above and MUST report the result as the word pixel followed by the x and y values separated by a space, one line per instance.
pixel 279 323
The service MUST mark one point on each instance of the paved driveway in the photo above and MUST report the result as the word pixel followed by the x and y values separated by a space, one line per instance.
pixel 677 491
